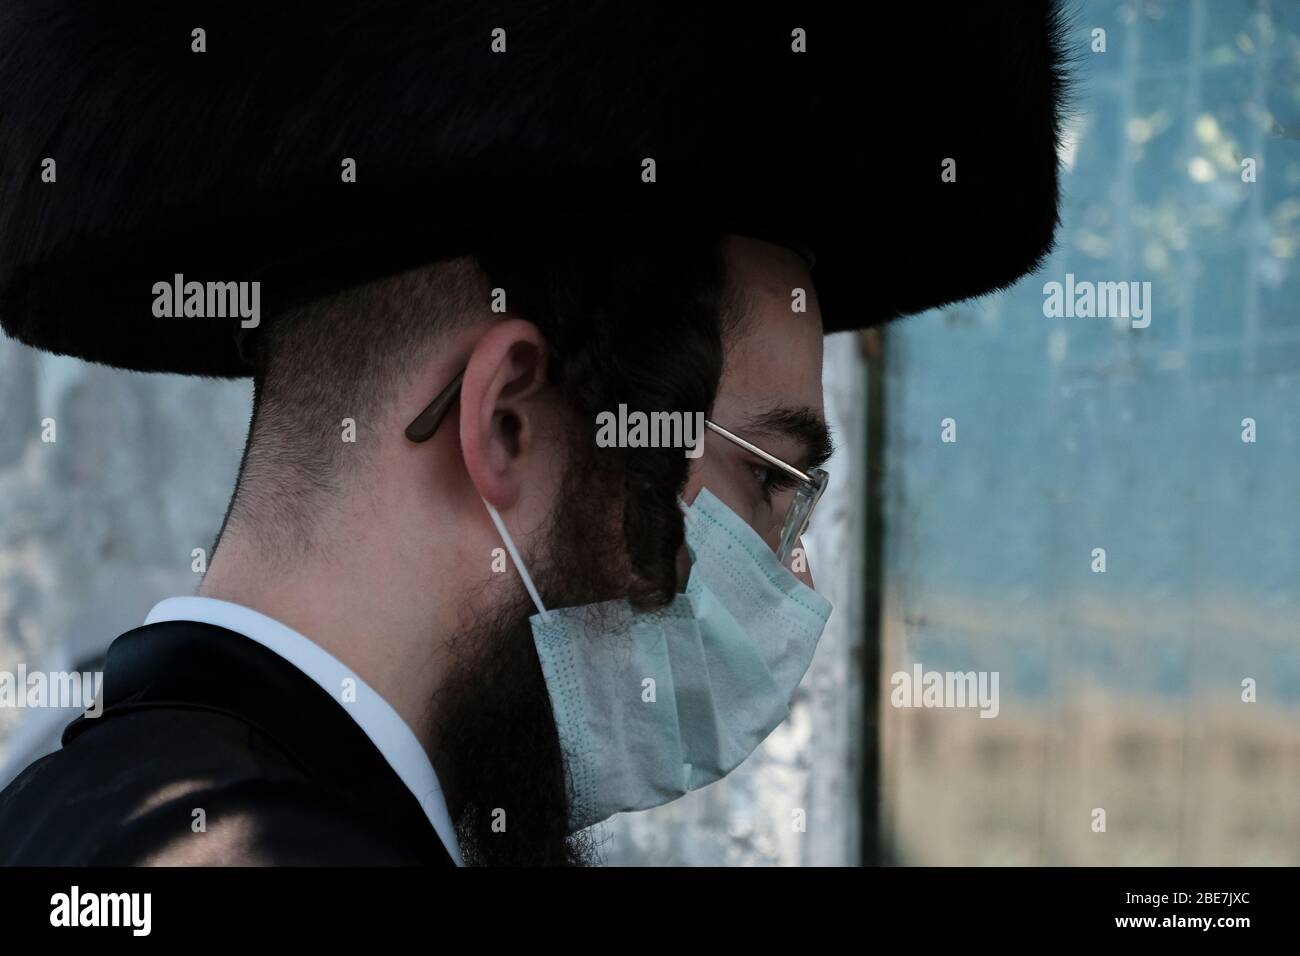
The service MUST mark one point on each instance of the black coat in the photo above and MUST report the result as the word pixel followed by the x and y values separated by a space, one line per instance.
pixel 199 717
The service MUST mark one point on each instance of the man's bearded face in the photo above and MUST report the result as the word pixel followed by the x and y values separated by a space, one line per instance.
pixel 494 720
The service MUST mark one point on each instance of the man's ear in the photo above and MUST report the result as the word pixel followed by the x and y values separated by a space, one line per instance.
pixel 498 419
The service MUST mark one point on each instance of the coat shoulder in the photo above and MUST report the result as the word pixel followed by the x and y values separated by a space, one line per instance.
pixel 254 823
pixel 182 787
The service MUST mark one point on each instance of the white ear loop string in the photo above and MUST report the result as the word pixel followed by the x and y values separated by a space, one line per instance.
pixel 518 562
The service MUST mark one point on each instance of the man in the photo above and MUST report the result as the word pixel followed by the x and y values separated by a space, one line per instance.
pixel 443 623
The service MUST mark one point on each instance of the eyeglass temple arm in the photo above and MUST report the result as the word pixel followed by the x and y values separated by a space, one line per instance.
pixel 423 427
pixel 427 422
pixel 755 450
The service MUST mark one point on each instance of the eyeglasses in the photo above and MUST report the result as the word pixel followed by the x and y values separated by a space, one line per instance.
pixel 808 486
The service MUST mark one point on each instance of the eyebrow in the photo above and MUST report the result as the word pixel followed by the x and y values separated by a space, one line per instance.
pixel 800 423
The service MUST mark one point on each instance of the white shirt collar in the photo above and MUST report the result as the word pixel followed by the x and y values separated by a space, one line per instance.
pixel 374 715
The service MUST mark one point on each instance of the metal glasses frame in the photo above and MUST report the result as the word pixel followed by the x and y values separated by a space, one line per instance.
pixel 808 487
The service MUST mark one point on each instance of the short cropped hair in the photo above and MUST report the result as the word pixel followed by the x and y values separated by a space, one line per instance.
pixel 634 320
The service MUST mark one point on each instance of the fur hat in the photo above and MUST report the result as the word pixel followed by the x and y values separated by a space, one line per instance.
pixel 150 144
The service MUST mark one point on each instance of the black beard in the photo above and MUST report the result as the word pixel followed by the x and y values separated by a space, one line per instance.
pixel 493 716
pixel 500 735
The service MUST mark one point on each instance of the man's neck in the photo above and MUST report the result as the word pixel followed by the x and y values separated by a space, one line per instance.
pixel 348 612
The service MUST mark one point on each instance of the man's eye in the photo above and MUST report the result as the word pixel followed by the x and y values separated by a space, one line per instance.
pixel 770 480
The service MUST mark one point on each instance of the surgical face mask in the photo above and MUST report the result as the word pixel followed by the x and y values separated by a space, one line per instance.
pixel 652 704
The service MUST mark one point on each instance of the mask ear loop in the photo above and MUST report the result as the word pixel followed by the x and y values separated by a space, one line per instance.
pixel 518 562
